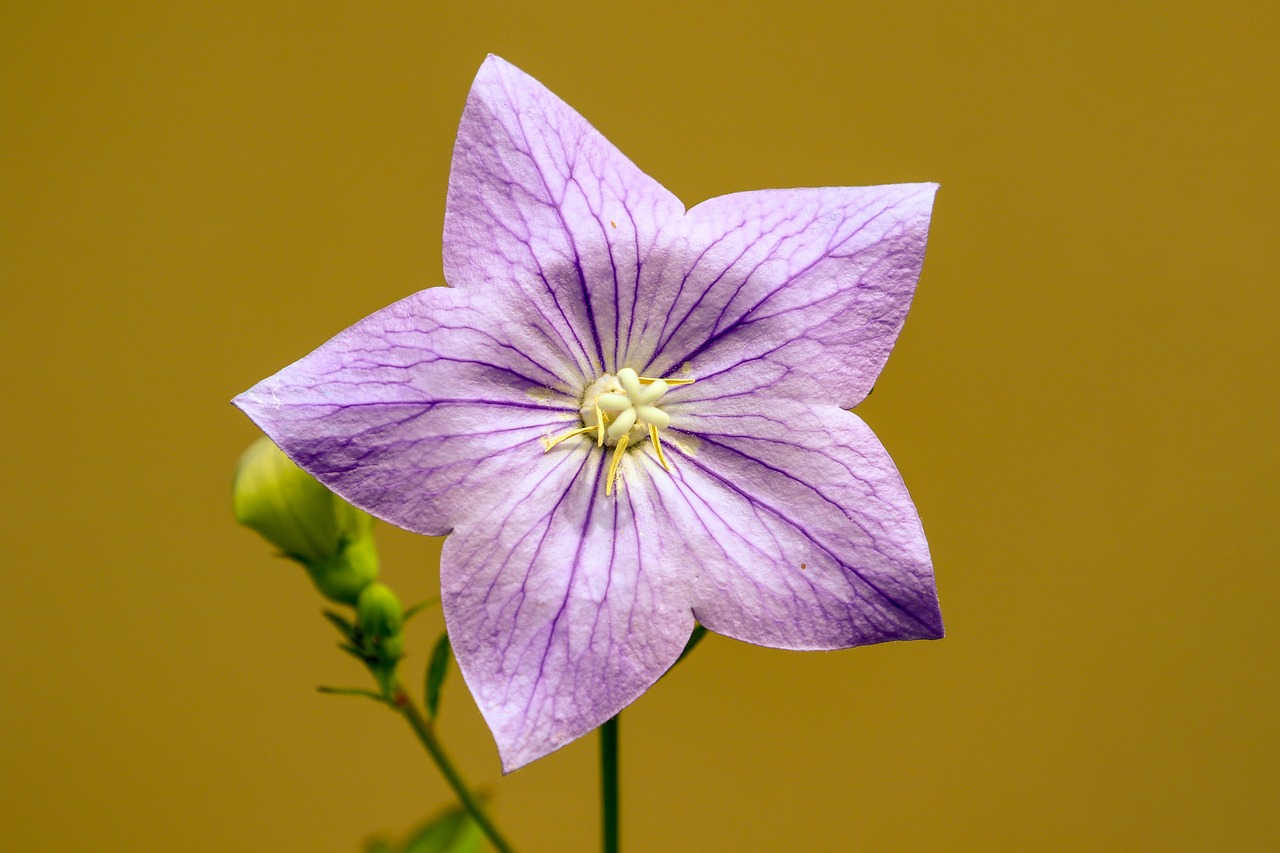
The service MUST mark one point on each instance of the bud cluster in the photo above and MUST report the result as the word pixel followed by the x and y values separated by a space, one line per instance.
pixel 329 538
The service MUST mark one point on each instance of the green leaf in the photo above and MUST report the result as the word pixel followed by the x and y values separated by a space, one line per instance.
pixel 353 691
pixel 452 831
pixel 342 623
pixel 437 669
pixel 420 606
pixel 355 652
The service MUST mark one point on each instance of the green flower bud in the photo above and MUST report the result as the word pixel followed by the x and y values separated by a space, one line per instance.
pixel 307 522
pixel 379 620
pixel 355 566
pixel 379 612
pixel 393 647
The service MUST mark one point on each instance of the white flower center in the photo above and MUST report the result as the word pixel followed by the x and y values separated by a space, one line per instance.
pixel 618 410
pixel 626 406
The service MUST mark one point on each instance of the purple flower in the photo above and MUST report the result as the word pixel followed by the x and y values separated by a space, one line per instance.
pixel 627 417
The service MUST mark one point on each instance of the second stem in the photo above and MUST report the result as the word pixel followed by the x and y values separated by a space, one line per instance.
pixel 426 734
pixel 609 785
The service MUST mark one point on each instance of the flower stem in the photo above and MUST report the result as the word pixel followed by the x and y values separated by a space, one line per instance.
pixel 609 784
pixel 425 732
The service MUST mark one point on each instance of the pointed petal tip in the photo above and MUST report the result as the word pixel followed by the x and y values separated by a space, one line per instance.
pixel 928 195
pixel 936 631
pixel 244 402
pixel 925 191
pixel 513 760
pixel 940 630
pixel 521 753
pixel 930 619
pixel 245 397
pixel 918 195
pixel 496 65
pixel 516 753
pixel 252 401
pixel 261 405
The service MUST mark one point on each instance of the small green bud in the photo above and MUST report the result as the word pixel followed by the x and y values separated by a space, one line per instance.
pixel 307 522
pixel 379 613
pixel 379 619
pixel 393 647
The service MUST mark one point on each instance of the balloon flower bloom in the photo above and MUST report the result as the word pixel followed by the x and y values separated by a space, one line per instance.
pixel 626 416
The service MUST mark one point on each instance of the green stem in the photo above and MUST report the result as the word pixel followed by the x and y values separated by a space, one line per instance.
pixel 609 784
pixel 423 729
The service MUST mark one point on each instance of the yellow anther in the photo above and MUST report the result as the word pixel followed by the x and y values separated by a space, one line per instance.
pixel 620 409
pixel 647 380
pixel 548 443
pixel 613 463
pixel 657 446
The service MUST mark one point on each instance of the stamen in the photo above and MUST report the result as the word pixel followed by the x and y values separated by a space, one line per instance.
pixel 653 415
pixel 622 424
pixel 657 446
pixel 647 380
pixel 630 382
pixel 650 394
pixel 625 406
pixel 548 443
pixel 613 464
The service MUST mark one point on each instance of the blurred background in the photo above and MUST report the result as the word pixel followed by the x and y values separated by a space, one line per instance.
pixel 1083 404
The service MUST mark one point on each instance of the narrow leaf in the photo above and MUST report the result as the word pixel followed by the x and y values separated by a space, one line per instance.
pixel 420 606
pixel 354 652
pixel 353 691
pixel 342 623
pixel 437 669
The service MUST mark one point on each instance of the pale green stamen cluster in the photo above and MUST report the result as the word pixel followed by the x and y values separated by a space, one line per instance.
pixel 620 410
pixel 633 406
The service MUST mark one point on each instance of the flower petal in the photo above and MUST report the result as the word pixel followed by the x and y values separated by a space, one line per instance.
pixel 419 413
pixel 560 606
pixel 803 290
pixel 540 201
pixel 805 535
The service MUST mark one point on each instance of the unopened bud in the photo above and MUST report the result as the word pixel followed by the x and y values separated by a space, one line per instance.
pixel 380 619
pixel 307 522
pixel 343 576
pixel 379 612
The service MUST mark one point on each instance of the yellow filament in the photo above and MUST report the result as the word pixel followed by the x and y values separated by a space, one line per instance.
pixel 613 464
pixel 648 380
pixel 657 445
pixel 548 443
pixel 603 419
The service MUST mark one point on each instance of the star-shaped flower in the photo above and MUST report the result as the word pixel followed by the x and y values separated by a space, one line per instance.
pixel 626 416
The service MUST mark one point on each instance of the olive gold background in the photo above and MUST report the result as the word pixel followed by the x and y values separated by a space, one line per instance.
pixel 1083 404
